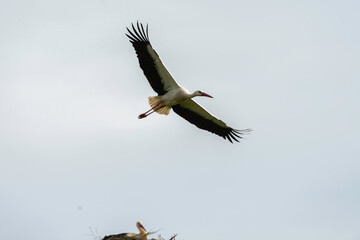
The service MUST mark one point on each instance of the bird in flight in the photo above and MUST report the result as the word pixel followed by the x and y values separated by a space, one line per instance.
pixel 170 94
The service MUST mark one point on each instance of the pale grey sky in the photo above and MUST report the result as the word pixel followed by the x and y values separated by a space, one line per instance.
pixel 73 154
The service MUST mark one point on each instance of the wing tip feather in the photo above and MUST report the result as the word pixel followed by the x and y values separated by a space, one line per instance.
pixel 138 34
pixel 235 134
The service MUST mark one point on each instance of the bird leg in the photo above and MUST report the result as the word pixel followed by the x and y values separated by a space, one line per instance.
pixel 150 111
pixel 145 114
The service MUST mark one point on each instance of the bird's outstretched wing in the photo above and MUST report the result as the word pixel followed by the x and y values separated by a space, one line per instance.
pixel 197 115
pixel 158 76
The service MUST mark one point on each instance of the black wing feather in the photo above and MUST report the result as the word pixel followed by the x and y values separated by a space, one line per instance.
pixel 140 40
pixel 121 236
pixel 207 124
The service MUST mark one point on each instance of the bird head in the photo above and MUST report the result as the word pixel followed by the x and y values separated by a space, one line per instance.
pixel 141 228
pixel 200 93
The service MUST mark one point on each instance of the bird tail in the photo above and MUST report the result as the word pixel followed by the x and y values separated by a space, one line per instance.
pixel 157 106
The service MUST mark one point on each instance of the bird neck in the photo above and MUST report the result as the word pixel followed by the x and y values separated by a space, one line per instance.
pixel 143 235
pixel 194 94
pixel 143 232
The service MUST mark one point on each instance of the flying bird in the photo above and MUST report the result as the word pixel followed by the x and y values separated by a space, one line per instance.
pixel 143 235
pixel 171 94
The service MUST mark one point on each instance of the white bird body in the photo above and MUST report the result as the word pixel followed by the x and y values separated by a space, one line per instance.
pixel 178 95
pixel 170 94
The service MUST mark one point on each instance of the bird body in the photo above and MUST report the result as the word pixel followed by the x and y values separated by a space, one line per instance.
pixel 142 235
pixel 170 94
pixel 180 94
pixel 163 104
pixel 122 236
pixel 175 96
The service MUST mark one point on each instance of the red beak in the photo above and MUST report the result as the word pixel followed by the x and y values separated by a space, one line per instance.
pixel 206 95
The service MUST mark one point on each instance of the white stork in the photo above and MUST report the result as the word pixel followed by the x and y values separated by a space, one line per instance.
pixel 171 94
pixel 143 235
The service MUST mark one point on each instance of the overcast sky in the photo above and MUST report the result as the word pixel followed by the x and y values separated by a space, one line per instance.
pixel 73 154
